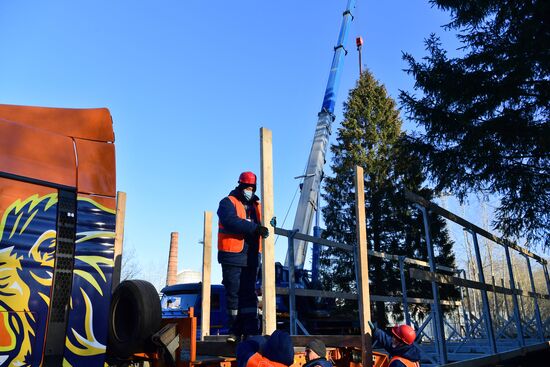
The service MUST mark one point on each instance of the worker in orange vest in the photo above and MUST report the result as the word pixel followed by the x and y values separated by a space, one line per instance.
pixel 399 345
pixel 239 232
pixel 273 351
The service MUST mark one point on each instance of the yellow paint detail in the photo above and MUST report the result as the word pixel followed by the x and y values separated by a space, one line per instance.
pixel 88 344
pixel 97 205
pixel 96 234
pixel 15 324
pixel 16 224
pixel 31 217
pixel 89 278
pixel 44 258
pixel 19 204
pixel 43 281
pixel 66 363
pixel 94 261
pixel 45 298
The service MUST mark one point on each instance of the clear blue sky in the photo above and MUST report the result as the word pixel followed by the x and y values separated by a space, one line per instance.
pixel 189 84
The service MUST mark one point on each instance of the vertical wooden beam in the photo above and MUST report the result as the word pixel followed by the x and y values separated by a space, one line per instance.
pixel 268 244
pixel 206 270
pixel 119 237
pixel 363 276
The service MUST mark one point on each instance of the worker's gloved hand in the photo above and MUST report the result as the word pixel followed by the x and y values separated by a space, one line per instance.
pixel 372 327
pixel 262 231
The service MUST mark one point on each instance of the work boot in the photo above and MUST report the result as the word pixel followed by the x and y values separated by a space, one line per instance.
pixel 233 339
pixel 234 336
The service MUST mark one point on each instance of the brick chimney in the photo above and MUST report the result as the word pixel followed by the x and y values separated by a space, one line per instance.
pixel 172 275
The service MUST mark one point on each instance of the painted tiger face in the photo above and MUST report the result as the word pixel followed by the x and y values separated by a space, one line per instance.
pixel 27 256
pixel 26 265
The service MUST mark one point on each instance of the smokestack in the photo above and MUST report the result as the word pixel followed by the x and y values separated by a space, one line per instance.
pixel 172 275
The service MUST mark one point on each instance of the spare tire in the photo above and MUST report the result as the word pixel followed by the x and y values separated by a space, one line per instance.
pixel 135 316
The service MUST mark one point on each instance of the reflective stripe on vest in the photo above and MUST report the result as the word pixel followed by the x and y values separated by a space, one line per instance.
pixel 257 360
pixel 231 242
pixel 405 361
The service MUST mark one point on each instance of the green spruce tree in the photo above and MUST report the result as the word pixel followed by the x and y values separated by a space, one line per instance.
pixel 370 136
pixel 485 115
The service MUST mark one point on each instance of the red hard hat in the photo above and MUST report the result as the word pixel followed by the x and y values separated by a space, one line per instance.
pixel 247 178
pixel 405 333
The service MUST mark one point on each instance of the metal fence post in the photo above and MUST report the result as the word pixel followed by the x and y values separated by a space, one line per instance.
pixel 540 328
pixel 547 277
pixel 464 311
pixel 484 297
pixel 517 317
pixel 435 290
pixel 404 290
pixel 291 284
pixel 495 301
pixel 522 314
pixel 505 300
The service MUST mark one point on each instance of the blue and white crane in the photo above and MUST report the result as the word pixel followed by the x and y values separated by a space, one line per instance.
pixel 311 184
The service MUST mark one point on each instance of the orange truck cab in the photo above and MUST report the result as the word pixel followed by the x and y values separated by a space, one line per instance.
pixel 57 230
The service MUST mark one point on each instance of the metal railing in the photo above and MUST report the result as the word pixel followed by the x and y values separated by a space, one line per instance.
pixel 471 326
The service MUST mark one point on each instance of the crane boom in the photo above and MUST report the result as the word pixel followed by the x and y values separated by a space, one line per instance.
pixel 311 183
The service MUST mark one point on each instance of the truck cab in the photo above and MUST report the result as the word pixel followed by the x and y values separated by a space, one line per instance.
pixel 178 298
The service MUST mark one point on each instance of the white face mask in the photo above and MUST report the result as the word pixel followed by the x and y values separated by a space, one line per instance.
pixel 248 194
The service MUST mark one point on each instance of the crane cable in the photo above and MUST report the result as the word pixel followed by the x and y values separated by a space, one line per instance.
pixel 288 211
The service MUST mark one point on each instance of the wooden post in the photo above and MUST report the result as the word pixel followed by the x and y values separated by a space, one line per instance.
pixel 363 276
pixel 206 269
pixel 119 237
pixel 268 244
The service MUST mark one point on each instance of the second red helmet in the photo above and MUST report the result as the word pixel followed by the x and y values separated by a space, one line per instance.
pixel 247 178
pixel 405 333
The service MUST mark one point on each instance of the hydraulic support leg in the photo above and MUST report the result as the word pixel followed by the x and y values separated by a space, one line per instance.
pixel 440 331
pixel 291 285
pixel 485 299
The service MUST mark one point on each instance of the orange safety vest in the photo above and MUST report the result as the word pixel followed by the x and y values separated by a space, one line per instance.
pixel 231 242
pixel 405 361
pixel 257 360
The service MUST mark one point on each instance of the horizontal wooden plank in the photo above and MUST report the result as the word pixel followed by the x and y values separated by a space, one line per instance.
pixel 461 282
pixel 463 222
pixel 329 340
pixel 217 348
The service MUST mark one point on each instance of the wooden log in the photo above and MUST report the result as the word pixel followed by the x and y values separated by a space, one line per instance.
pixel 363 268
pixel 268 244
pixel 206 271
pixel 119 238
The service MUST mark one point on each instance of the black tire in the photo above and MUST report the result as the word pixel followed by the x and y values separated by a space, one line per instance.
pixel 135 316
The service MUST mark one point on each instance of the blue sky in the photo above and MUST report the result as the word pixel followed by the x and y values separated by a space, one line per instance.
pixel 189 84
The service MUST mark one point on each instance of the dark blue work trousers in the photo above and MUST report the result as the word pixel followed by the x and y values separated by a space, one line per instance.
pixel 242 302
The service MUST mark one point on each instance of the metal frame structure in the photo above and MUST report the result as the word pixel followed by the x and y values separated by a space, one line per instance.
pixel 479 334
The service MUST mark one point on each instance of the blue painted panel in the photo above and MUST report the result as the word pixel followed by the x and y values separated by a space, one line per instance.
pixel 27 246
pixel 87 329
